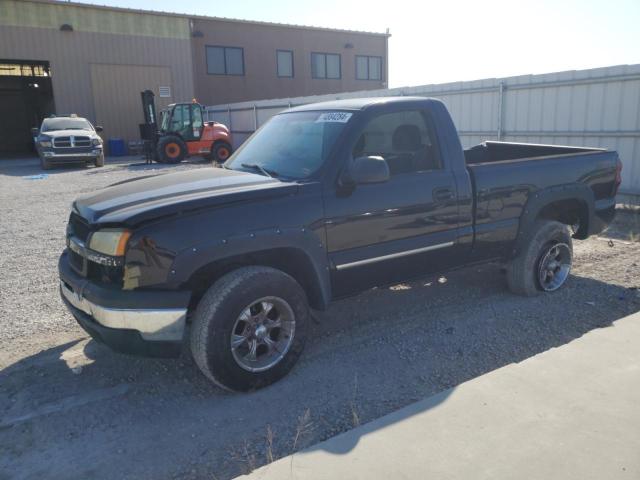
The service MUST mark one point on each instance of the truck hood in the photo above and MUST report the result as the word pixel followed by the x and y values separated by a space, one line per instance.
pixel 134 201
pixel 68 133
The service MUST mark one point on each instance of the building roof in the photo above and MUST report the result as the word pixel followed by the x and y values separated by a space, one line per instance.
pixel 205 17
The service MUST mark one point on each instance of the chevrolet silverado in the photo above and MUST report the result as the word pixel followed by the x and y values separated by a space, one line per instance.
pixel 323 201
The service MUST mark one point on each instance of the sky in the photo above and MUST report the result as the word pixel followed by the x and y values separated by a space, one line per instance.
pixel 452 40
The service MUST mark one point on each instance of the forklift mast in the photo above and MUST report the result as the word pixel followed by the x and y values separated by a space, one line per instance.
pixel 149 129
pixel 149 109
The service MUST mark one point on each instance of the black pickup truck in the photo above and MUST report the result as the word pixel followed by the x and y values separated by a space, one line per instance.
pixel 323 201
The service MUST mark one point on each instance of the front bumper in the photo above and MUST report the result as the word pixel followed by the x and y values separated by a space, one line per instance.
pixel 137 322
pixel 55 157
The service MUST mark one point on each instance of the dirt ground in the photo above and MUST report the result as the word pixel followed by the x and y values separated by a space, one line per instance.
pixel 72 409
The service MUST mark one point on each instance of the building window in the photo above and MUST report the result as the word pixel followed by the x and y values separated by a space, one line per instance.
pixel 284 61
pixel 24 69
pixel 225 60
pixel 325 65
pixel 368 68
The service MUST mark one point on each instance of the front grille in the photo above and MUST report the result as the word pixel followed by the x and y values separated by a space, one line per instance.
pixel 72 141
pixel 62 142
pixel 79 227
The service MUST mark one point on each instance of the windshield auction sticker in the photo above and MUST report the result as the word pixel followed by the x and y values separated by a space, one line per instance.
pixel 338 117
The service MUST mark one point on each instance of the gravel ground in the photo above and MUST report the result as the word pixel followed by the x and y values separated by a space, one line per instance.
pixel 72 409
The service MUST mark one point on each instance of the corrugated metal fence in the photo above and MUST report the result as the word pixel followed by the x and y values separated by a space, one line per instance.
pixel 597 107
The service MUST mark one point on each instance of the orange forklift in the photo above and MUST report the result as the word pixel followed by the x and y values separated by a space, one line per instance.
pixel 182 133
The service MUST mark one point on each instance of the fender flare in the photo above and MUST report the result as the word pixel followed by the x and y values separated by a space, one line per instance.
pixel 189 261
pixel 546 196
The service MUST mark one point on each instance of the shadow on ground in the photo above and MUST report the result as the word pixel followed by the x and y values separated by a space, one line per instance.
pixel 80 411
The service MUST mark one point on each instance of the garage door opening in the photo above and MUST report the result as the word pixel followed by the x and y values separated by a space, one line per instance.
pixel 26 97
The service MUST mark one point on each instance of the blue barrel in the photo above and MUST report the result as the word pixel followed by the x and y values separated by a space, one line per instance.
pixel 117 147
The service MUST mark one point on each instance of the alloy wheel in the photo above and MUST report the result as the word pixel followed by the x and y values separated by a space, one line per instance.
pixel 554 266
pixel 262 334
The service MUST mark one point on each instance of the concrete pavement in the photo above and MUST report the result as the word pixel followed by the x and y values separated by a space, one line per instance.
pixel 571 412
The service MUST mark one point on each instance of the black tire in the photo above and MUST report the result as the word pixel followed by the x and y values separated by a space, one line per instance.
pixel 45 164
pixel 99 161
pixel 221 152
pixel 171 149
pixel 522 271
pixel 219 310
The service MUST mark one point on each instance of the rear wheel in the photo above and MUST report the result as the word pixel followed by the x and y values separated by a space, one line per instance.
pixel 221 152
pixel 171 149
pixel 544 263
pixel 249 328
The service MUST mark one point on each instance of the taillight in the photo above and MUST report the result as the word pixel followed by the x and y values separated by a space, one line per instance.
pixel 618 176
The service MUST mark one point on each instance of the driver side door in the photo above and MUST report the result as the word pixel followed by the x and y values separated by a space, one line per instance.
pixel 388 232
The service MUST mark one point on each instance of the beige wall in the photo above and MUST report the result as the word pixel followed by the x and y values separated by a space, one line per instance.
pixel 116 96
pixel 260 43
pixel 99 69
pixel 72 54
pixel 124 43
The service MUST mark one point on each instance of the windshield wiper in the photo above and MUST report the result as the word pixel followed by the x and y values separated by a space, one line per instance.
pixel 267 172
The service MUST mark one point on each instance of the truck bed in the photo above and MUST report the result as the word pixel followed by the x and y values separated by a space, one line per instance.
pixel 505 175
pixel 491 152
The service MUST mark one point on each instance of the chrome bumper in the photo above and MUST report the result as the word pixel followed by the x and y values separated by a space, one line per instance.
pixel 55 155
pixel 155 325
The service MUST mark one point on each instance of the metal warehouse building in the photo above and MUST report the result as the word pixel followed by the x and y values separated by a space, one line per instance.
pixel 94 61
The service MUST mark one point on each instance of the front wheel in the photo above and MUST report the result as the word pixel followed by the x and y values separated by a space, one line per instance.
pixel 221 152
pixel 171 149
pixel 100 160
pixel 45 164
pixel 250 328
pixel 544 263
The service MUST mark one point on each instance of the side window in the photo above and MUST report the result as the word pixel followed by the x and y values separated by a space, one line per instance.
pixel 180 119
pixel 403 139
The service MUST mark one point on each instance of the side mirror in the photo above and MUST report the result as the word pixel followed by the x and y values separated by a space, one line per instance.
pixel 35 131
pixel 368 170
pixel 98 128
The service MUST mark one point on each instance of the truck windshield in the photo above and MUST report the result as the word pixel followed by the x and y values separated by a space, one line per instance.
pixel 291 145
pixel 65 123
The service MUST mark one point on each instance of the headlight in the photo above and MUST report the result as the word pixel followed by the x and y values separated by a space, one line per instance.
pixel 96 141
pixel 45 143
pixel 110 241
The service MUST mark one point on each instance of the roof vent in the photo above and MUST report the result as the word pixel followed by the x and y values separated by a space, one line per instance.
pixel 197 34
pixel 65 27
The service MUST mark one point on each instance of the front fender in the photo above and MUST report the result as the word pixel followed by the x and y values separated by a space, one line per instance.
pixel 189 261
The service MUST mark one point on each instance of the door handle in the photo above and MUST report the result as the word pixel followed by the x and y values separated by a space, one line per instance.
pixel 442 194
